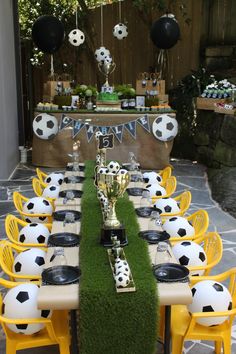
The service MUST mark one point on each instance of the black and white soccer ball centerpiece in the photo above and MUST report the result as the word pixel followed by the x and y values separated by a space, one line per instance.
pixel 30 262
pixel 21 302
pixel 34 233
pixel 165 127
pixel 121 273
pixel 51 191
pixel 210 296
pixel 113 168
pixel 76 37
pixel 156 190
pixel 190 254
pixel 101 53
pixel 167 206
pixel 178 226
pixel 37 205
pixel 120 31
pixel 45 126
pixel 152 177
pixel 55 178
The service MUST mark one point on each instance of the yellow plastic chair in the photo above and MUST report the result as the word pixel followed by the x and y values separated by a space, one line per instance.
pixel 7 253
pixel 13 225
pixel 165 173
pixel 184 201
pixel 184 326
pixel 41 175
pixel 170 187
pixel 38 188
pixel 19 200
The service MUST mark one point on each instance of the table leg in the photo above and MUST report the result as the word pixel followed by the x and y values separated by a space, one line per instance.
pixel 74 336
pixel 167 329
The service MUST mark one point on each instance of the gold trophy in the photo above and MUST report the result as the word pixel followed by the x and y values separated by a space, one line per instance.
pixel 106 69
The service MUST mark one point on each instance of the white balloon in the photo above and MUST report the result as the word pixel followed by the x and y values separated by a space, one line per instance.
pixel 76 37
pixel 37 205
pixel 120 31
pixel 165 127
pixel 29 262
pixel 55 178
pixel 45 126
pixel 34 233
pixel 166 205
pixel 51 191
pixel 152 177
pixel 178 226
pixel 156 190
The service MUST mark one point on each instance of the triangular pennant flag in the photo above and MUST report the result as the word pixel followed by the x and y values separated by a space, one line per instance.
pixel 90 130
pixel 65 121
pixel 144 122
pixel 77 126
pixel 104 130
pixel 131 127
pixel 118 132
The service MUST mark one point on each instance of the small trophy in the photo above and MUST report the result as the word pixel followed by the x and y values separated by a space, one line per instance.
pixel 106 69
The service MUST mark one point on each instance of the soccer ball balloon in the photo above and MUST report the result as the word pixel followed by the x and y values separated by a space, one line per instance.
pixel 45 126
pixel 113 167
pixel 76 37
pixel 34 233
pixel 51 191
pixel 101 53
pixel 122 280
pixel 190 254
pixel 122 171
pixel 29 262
pixel 178 227
pixel 103 170
pixel 210 296
pixel 166 205
pixel 120 31
pixel 165 127
pixel 152 177
pixel 37 205
pixel 156 190
pixel 55 178
pixel 21 302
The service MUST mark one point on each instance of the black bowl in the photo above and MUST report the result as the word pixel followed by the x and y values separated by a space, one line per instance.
pixel 171 272
pixel 154 236
pixel 60 214
pixel 64 239
pixel 77 179
pixel 77 193
pixel 144 212
pixel 61 275
pixel 70 168
pixel 135 192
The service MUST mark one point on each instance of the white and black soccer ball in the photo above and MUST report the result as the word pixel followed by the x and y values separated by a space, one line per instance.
pixel 45 126
pixel 210 296
pixel 51 191
pixel 97 134
pixel 165 127
pixel 152 177
pixel 76 37
pixel 120 262
pixel 34 233
pixel 122 280
pixel 178 227
pixel 113 167
pixel 101 53
pixel 103 170
pixel 122 268
pixel 29 262
pixel 37 205
pixel 55 178
pixel 166 205
pixel 190 254
pixel 108 59
pixel 122 171
pixel 120 31
pixel 21 302
pixel 156 190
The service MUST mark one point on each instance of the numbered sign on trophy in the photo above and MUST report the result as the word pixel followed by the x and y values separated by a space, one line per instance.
pixel 106 141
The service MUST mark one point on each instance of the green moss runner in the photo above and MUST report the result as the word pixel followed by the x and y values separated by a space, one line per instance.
pixel 111 323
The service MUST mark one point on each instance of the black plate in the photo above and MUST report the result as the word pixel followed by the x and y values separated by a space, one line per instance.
pixel 70 168
pixel 77 193
pixel 77 179
pixel 144 212
pixel 170 272
pixel 64 239
pixel 60 214
pixel 135 192
pixel 61 275
pixel 154 236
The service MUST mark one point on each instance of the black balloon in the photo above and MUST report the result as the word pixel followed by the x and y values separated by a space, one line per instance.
pixel 48 33
pixel 165 32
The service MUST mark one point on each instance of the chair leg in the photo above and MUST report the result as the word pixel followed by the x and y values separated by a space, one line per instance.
pixel 161 322
pixel 177 344
pixel 64 347
pixel 10 347
pixel 218 346
pixel 227 345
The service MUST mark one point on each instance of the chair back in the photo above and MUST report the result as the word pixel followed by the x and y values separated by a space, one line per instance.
pixel 38 187
pixel 41 175
pixel 200 222
pixel 170 187
pixel 184 200
pixel 165 173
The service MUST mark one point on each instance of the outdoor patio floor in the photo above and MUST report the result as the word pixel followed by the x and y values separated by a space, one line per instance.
pixel 190 176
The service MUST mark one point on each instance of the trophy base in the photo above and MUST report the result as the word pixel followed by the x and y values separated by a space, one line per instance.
pixel 107 233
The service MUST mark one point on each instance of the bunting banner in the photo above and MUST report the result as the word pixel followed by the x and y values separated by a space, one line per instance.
pixel 117 130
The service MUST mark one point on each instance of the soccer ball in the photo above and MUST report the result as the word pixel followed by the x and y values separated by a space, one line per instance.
pixel 37 205
pixel 190 254
pixel 122 268
pixel 76 37
pixel 178 227
pixel 122 280
pixel 45 126
pixel 29 262
pixel 103 170
pixel 21 302
pixel 120 31
pixel 165 127
pixel 34 233
pixel 51 191
pixel 108 59
pixel 156 190
pixel 97 134
pixel 101 53
pixel 122 171
pixel 166 205
pixel 113 167
pixel 55 178
pixel 152 177
pixel 210 296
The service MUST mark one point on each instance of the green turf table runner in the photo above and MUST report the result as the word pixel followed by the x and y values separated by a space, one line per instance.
pixel 110 322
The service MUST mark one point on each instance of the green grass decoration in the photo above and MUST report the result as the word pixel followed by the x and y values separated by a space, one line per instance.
pixel 111 323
